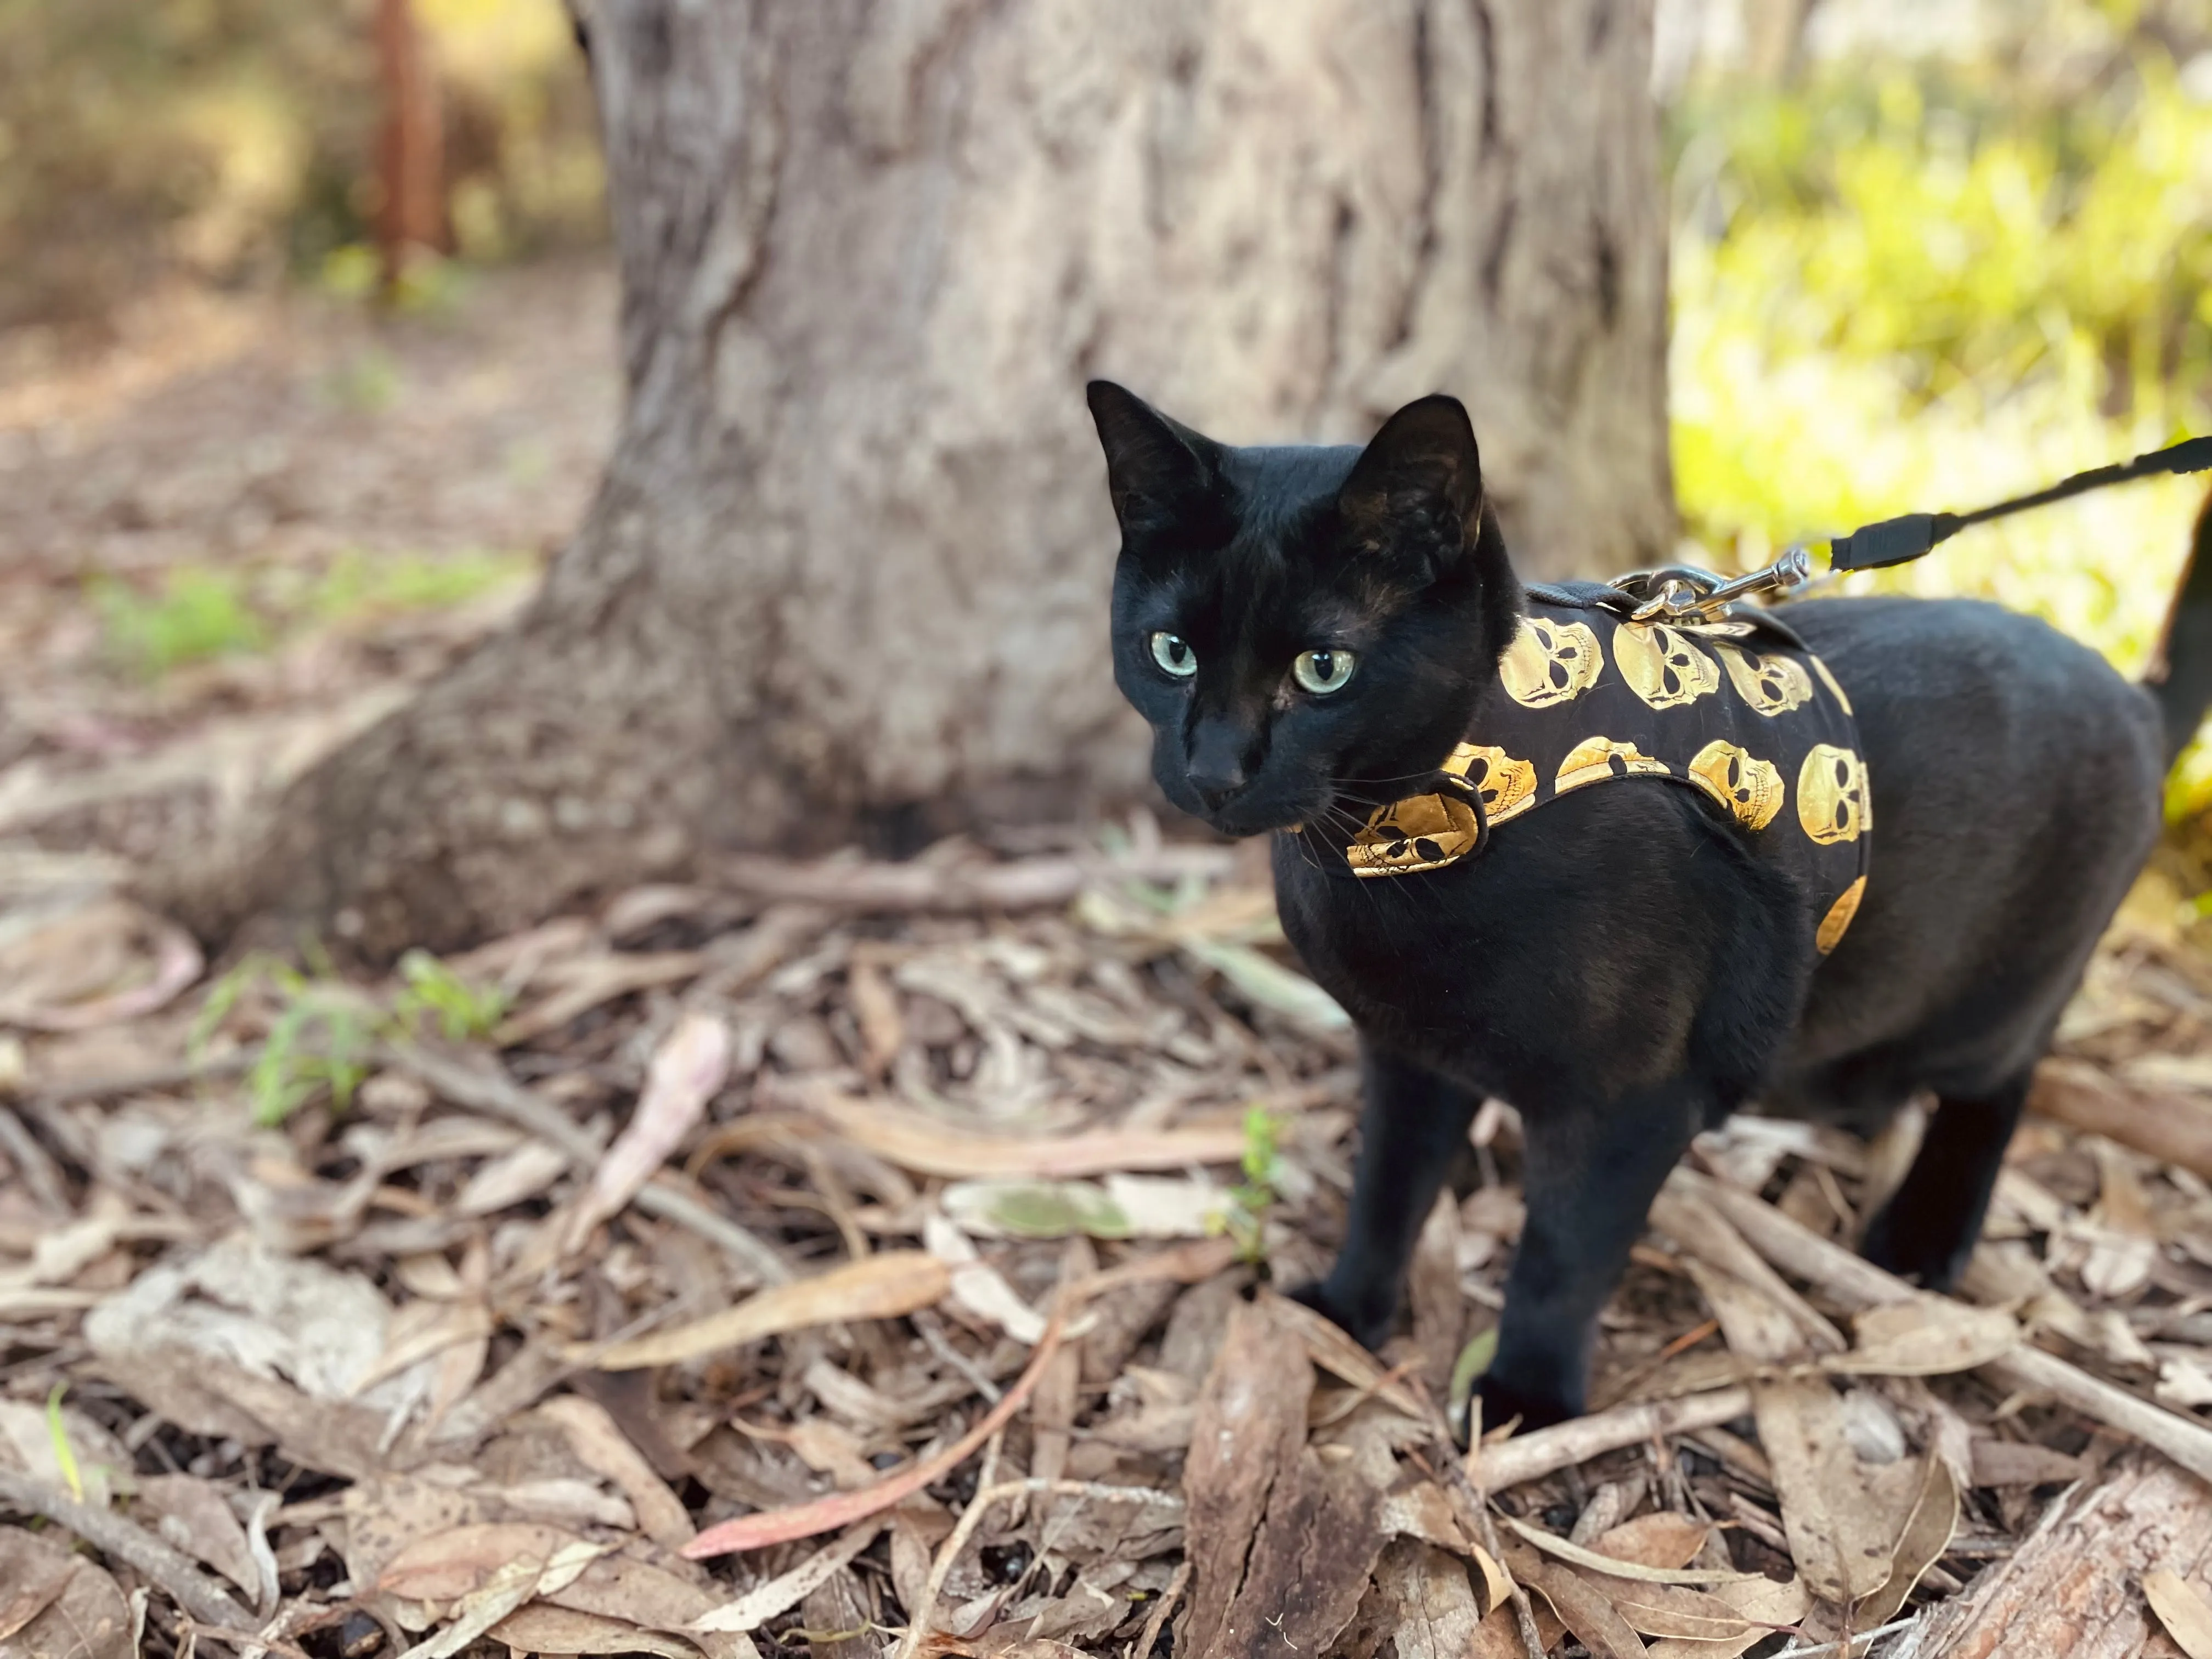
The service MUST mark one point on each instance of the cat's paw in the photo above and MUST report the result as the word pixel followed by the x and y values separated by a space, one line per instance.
pixel 1502 1403
pixel 1924 1250
pixel 1370 1332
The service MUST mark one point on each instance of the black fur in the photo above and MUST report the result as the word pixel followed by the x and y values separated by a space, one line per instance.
pixel 1618 967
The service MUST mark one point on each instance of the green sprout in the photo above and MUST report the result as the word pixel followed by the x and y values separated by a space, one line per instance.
pixel 461 1010
pixel 65 1454
pixel 1249 1199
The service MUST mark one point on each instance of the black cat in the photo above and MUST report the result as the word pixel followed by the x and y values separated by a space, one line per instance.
pixel 1308 630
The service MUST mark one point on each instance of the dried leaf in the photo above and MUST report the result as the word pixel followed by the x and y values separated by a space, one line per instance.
pixel 1429 1607
pixel 68 1608
pixel 1264 980
pixel 1839 1535
pixel 1662 1538
pixel 511 1584
pixel 781 1593
pixel 512 1177
pixel 1496 1583
pixel 691 1063
pixel 977 1287
pixel 1763 1606
pixel 601 1447
pixel 1125 1206
pixel 447 1565
pixel 1421 1511
pixel 882 1287
pixel 1581 1607
pixel 1335 1352
pixel 1551 1544
pixel 542 1627
pixel 105 962
pixel 1670 1609
pixel 876 1008
pixel 1926 1534
pixel 915 1140
pixel 1928 1337
pixel 2183 1609
pixel 192 1515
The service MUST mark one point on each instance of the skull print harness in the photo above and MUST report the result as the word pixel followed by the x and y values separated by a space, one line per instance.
pixel 1737 707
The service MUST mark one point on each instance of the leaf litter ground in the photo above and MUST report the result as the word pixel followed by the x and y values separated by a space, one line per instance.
pixel 869 1260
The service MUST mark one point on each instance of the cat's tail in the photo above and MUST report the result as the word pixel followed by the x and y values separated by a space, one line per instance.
pixel 2181 676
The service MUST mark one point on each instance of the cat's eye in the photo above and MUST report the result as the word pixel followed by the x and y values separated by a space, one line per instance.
pixel 1323 671
pixel 1173 653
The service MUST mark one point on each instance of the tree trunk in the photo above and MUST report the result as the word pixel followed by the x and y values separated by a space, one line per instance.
pixel 847 570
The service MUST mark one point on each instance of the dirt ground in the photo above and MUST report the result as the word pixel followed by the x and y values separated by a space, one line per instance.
pixel 865 1259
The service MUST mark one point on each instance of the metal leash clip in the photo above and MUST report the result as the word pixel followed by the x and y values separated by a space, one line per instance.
pixel 1678 592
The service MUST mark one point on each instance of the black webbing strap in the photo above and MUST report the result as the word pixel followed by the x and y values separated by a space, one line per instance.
pixel 1899 541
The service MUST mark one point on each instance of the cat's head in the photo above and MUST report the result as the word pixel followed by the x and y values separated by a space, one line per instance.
pixel 1304 628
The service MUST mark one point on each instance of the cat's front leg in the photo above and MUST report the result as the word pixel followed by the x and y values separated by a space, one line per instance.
pixel 1588 1177
pixel 1411 1128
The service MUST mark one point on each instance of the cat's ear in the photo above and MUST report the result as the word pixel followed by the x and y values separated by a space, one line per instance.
pixel 1419 478
pixel 1159 472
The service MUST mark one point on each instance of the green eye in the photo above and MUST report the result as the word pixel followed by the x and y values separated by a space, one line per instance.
pixel 1323 671
pixel 1173 653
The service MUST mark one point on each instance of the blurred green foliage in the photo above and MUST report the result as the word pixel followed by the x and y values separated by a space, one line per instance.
pixel 203 611
pixel 1913 286
pixel 232 140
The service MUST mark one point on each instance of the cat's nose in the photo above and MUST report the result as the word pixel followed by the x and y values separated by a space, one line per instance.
pixel 1216 767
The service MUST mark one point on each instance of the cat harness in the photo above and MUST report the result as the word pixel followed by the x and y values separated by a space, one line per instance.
pixel 1733 705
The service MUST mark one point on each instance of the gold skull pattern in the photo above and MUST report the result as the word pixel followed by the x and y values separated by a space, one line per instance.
pixel 1662 665
pixel 1596 759
pixel 1751 789
pixel 1425 832
pixel 1506 787
pixel 1829 680
pixel 1551 662
pixel 1838 921
pixel 1772 685
pixel 1832 803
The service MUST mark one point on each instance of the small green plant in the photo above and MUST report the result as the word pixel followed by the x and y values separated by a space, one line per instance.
pixel 64 1453
pixel 320 1038
pixel 318 1042
pixel 198 614
pixel 359 585
pixel 460 1009
pixel 1250 1199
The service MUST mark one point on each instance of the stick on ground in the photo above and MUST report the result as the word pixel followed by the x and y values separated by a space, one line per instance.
pixel 192 1590
pixel 1859 1284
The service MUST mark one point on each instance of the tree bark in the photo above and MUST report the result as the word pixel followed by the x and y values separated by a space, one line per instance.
pixel 847 572
pixel 2075 1587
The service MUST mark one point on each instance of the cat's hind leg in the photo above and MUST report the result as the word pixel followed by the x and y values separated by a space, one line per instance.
pixel 1927 1231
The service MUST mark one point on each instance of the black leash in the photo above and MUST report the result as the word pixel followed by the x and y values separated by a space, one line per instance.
pixel 1899 541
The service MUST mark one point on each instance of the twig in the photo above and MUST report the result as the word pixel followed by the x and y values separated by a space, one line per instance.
pixel 62 1091
pixel 1160 1613
pixel 932 1334
pixel 1021 885
pixel 972 1517
pixel 1851 1645
pixel 1859 1283
pixel 207 1602
pixel 2172 1127
pixel 1531 1456
pixel 36 1165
